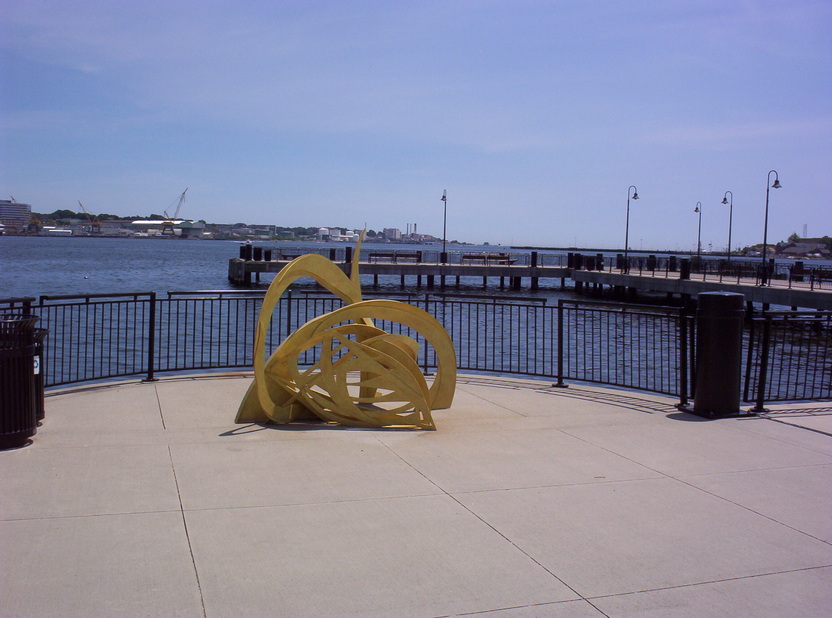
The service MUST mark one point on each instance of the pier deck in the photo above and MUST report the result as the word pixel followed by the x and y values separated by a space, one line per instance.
pixel 241 271
pixel 778 292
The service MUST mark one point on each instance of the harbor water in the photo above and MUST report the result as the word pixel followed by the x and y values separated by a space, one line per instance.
pixel 35 266
pixel 518 335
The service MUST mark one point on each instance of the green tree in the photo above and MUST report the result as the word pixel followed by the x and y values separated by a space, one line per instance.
pixel 63 214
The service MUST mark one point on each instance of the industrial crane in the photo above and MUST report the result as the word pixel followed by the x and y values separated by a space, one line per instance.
pixel 168 223
pixel 33 227
pixel 95 224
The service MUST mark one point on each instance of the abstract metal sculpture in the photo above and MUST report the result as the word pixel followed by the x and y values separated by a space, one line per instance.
pixel 364 376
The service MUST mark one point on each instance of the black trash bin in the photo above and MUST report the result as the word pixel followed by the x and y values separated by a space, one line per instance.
pixel 18 409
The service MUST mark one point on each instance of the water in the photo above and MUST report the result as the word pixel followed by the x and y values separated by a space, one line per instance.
pixel 499 340
pixel 32 266
pixel 35 266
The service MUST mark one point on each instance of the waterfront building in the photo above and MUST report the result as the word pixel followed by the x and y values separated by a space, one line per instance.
pixel 15 216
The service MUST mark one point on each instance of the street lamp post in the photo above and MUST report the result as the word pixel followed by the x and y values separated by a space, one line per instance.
pixel 444 225
pixel 627 227
pixel 730 218
pixel 775 185
pixel 699 234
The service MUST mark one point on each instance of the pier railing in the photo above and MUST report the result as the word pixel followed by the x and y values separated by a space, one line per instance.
pixel 647 348
pixel 749 271
pixel 789 357
pixel 738 270
pixel 95 337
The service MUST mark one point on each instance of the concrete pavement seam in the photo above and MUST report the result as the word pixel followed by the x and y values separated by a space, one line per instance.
pixel 487 524
pixel 187 533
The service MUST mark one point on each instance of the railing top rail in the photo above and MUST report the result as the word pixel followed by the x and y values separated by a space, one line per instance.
pixel 88 297
pixel 217 293
pixel 505 299
pixel 784 315
pixel 623 307
pixel 20 299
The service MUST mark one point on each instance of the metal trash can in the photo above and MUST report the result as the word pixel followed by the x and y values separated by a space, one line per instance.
pixel 18 412
pixel 719 317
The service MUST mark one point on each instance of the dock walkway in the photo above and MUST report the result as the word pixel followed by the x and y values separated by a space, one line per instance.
pixel 510 274
pixel 241 272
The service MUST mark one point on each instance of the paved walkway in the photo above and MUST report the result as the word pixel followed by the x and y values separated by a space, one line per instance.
pixel 146 500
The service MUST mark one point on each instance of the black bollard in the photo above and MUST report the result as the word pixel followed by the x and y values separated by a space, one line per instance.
pixel 719 317
pixel 797 271
pixel 672 265
pixel 684 268
pixel 534 259
pixel 258 254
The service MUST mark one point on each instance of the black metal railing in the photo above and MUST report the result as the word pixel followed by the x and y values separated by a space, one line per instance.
pixel 789 357
pixel 736 270
pixel 96 337
pixel 647 348
pixel 402 253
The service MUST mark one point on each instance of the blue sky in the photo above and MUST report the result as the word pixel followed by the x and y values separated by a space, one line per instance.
pixel 535 116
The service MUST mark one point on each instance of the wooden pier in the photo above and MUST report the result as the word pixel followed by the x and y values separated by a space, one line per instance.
pixel 778 292
pixel 244 272
pixel 503 271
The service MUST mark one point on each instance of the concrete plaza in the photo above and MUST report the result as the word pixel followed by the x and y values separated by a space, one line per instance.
pixel 145 499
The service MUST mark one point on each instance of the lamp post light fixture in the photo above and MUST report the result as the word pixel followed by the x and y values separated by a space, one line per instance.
pixel 730 218
pixel 699 233
pixel 775 185
pixel 444 225
pixel 626 268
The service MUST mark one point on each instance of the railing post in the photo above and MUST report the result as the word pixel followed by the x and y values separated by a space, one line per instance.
pixel 288 332
pixel 560 383
pixel 763 375
pixel 151 340
pixel 683 359
pixel 425 367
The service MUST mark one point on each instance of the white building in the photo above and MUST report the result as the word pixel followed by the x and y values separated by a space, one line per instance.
pixel 15 216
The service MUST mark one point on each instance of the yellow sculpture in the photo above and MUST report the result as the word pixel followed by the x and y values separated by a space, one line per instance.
pixel 364 376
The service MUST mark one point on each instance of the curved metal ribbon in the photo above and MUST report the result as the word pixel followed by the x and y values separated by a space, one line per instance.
pixel 389 389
